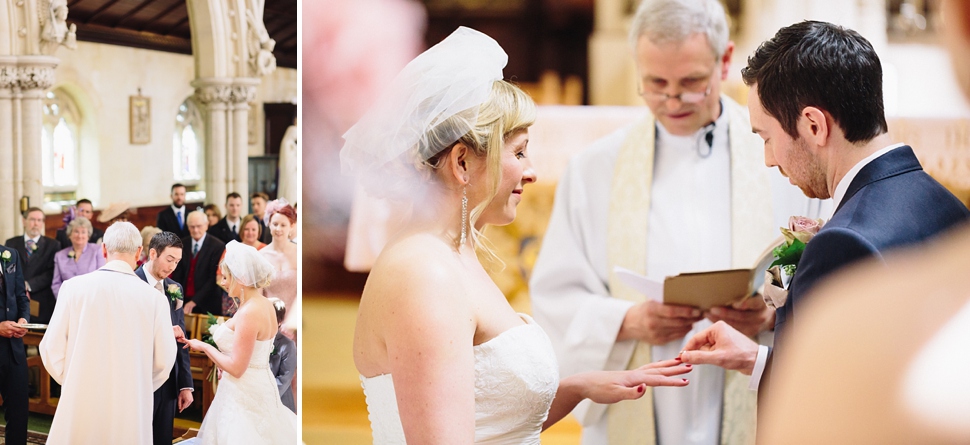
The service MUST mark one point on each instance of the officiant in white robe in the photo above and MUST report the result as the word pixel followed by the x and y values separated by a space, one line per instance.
pixel 686 191
pixel 110 344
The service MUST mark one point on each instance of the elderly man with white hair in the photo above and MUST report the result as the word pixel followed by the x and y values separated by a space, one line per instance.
pixel 683 189
pixel 110 345
pixel 197 270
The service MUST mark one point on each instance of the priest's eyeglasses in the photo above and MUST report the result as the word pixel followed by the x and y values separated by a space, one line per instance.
pixel 687 97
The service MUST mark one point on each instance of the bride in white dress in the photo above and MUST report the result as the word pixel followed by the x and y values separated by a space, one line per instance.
pixel 247 408
pixel 442 355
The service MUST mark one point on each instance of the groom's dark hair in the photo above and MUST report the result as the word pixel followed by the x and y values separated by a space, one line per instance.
pixel 164 240
pixel 818 64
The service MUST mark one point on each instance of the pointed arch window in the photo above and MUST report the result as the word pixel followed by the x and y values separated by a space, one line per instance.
pixel 187 143
pixel 60 142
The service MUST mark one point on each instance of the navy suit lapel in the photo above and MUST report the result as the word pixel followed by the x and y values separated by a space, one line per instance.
pixel 896 162
pixel 21 247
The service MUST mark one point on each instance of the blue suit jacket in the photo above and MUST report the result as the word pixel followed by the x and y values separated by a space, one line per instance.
pixel 891 203
pixel 181 372
pixel 15 306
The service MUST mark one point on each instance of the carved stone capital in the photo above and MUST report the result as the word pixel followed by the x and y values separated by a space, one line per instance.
pixel 209 94
pixel 8 76
pixel 35 77
pixel 243 94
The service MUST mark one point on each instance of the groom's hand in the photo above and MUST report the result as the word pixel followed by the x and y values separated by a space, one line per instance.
pixel 10 329
pixel 658 323
pixel 750 316
pixel 185 399
pixel 179 335
pixel 721 345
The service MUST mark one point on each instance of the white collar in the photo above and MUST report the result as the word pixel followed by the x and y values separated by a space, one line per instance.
pixel 119 266
pixel 149 277
pixel 234 222
pixel 179 209
pixel 36 239
pixel 199 242
pixel 843 185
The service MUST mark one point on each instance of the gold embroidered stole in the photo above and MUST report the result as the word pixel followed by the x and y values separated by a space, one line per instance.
pixel 632 422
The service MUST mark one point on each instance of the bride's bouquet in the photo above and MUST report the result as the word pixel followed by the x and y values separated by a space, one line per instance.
pixel 213 324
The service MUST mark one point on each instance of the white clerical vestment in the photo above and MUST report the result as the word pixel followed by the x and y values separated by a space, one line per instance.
pixel 110 345
pixel 689 228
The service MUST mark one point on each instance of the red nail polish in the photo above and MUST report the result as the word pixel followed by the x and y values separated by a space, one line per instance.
pixel 640 389
pixel 685 381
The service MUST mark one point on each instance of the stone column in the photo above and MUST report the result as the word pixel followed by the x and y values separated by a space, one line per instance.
pixel 215 96
pixel 36 76
pixel 243 92
pixel 612 74
pixel 9 210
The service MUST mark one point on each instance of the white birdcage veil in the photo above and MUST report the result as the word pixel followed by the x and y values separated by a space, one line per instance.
pixel 432 103
pixel 247 266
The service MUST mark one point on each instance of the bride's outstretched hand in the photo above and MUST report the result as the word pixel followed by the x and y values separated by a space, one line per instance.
pixel 196 345
pixel 614 386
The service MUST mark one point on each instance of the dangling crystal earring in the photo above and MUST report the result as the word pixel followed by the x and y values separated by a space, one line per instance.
pixel 464 216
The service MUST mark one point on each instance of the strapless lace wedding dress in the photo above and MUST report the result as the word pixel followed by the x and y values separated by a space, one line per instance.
pixel 247 410
pixel 516 378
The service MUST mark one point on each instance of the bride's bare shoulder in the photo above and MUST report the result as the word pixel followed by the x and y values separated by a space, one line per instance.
pixel 415 267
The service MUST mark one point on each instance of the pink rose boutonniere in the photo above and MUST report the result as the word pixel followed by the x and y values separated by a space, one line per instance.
pixel 799 232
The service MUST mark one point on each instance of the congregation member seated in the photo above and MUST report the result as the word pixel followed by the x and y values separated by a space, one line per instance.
pixel 37 262
pixel 212 213
pixel 251 232
pixel 228 228
pixel 81 258
pixel 197 270
pixel 83 208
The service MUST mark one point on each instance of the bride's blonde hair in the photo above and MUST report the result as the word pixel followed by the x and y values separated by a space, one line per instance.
pixel 507 111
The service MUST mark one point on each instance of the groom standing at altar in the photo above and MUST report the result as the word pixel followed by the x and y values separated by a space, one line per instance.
pixel 816 100
pixel 164 254
pixel 109 345
pixel 684 189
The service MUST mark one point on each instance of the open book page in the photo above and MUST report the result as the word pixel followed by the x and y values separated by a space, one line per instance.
pixel 652 289
pixel 703 289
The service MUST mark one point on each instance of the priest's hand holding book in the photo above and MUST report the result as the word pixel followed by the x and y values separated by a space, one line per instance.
pixel 750 316
pixel 658 323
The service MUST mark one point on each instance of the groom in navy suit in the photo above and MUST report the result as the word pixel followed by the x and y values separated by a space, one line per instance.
pixel 13 358
pixel 164 253
pixel 816 100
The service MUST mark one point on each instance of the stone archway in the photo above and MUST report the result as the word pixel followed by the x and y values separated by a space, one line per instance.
pixel 232 51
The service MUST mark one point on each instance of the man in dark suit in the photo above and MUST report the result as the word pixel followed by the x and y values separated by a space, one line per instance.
pixel 85 209
pixel 164 254
pixel 197 270
pixel 227 229
pixel 816 100
pixel 258 202
pixel 172 218
pixel 37 262
pixel 13 358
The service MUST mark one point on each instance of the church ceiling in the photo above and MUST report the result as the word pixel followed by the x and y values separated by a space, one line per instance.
pixel 163 25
